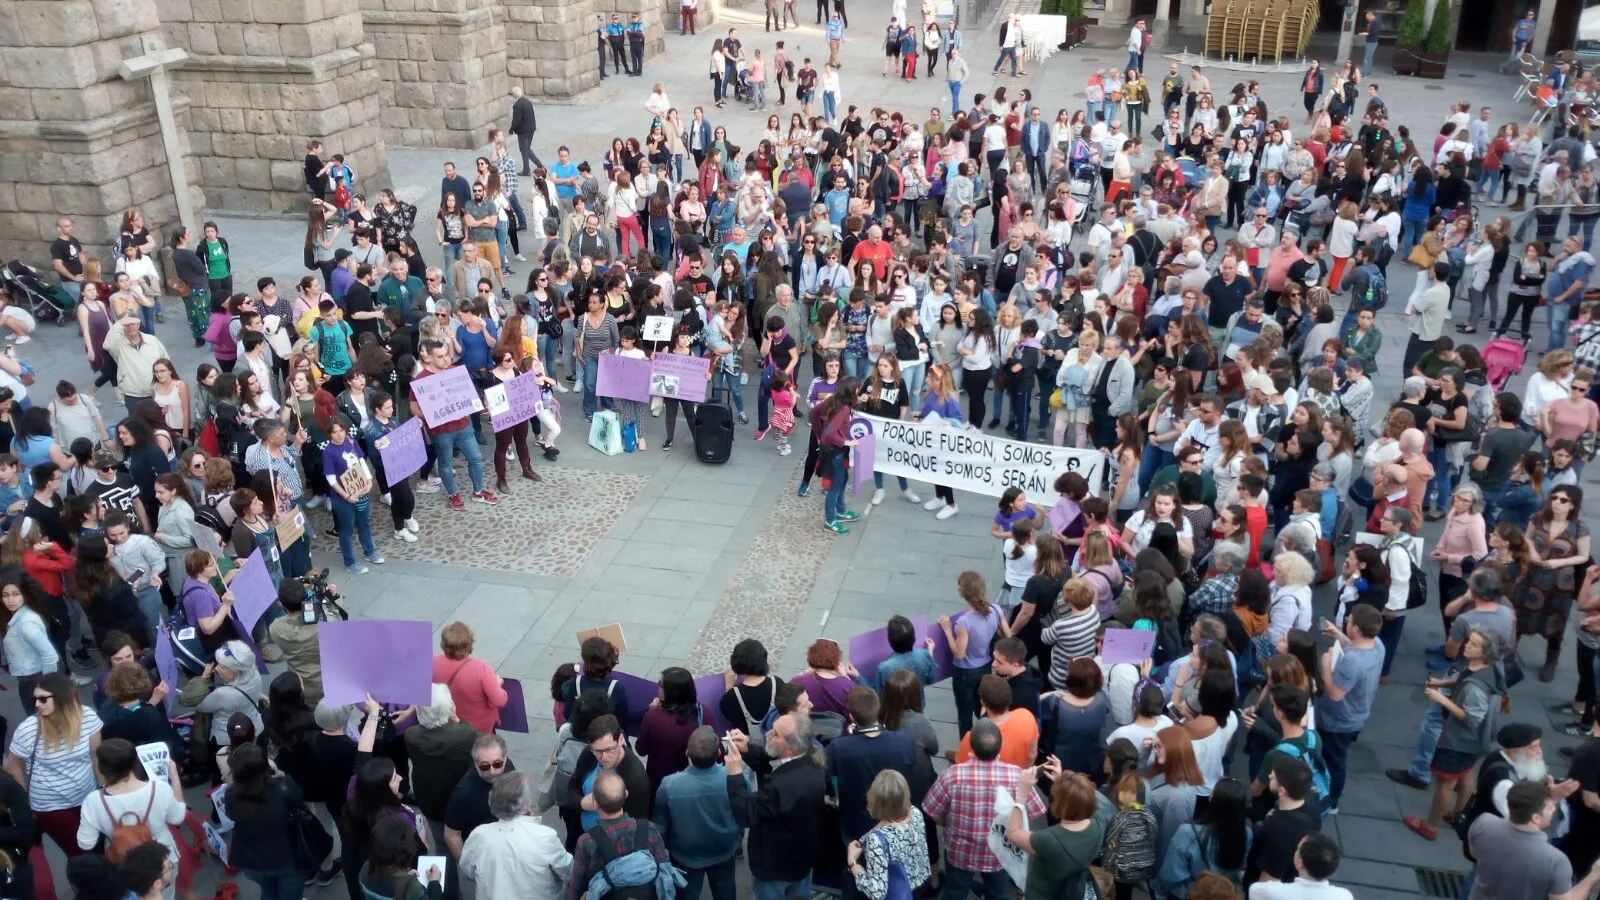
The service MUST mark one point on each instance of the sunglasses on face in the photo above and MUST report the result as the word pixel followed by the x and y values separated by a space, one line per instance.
pixel 41 699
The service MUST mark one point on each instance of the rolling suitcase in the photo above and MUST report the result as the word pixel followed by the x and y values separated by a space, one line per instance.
pixel 712 430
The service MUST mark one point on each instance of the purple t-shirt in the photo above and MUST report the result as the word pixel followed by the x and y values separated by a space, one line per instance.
pixel 980 633
pixel 827 694
pixel 1005 520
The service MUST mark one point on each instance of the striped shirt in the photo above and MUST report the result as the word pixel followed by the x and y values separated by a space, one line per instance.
pixel 59 777
pixel 1072 636
pixel 284 473
pixel 597 340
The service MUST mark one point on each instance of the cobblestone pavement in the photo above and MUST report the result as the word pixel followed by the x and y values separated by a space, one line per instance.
pixel 689 558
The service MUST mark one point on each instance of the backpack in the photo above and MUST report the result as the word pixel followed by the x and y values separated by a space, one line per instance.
pixel 622 876
pixel 127 835
pixel 758 735
pixel 558 774
pixel 1377 295
pixel 899 883
pixel 1312 755
pixel 1417 590
pixel 1130 848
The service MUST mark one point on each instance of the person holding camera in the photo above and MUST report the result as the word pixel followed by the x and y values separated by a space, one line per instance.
pixel 295 633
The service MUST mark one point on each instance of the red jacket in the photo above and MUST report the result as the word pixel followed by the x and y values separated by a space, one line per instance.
pixel 47 568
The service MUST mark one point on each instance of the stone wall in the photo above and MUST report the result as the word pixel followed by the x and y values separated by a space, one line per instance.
pixel 75 139
pixel 552 45
pixel 442 64
pixel 265 78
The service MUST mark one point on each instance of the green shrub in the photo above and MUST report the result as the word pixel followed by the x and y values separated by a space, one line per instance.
pixel 1411 25
pixel 1439 29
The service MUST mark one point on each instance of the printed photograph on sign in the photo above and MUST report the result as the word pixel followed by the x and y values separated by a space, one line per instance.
pixel 494 398
pixel 155 758
pixel 658 328
pixel 663 385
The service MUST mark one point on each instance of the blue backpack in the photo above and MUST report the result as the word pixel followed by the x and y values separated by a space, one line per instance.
pixel 899 883
pixel 1377 296
pixel 1312 754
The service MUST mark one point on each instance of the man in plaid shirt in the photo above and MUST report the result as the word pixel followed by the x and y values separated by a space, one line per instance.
pixel 962 800
pixel 507 167
pixel 1216 595
pixel 622 828
pixel 1586 340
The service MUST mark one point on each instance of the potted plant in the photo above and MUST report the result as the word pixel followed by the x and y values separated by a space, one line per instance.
pixel 1409 36
pixel 1436 46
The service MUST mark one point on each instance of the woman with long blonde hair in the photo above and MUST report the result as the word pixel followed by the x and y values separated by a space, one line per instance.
pixel 52 752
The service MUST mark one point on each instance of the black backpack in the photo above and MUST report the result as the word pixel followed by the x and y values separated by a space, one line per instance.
pixel 609 853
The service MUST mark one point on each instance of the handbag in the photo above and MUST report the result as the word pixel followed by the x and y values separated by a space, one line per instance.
pixel 178 286
pixel 309 841
pixel 1420 257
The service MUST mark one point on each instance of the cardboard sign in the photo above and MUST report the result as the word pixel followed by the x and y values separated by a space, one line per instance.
pixel 514 402
pixel 612 633
pixel 657 328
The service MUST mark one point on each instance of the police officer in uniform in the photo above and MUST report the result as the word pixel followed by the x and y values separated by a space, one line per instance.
pixel 614 36
pixel 636 43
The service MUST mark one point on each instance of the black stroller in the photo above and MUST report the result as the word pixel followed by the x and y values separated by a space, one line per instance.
pixel 47 302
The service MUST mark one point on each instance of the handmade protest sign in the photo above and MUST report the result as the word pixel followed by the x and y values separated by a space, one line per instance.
pixel 657 328
pixel 167 666
pixel 969 460
pixel 861 462
pixel 390 659
pixel 1124 645
pixel 446 396
pixel 623 378
pixel 253 591
pixel 155 758
pixel 679 377
pixel 402 450
pixel 514 402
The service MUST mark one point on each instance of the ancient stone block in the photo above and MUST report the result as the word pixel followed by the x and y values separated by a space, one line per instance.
pixel 253 174
pixel 230 39
pixel 149 185
pixel 209 11
pixel 232 122
pixel 36 67
pixel 118 18
pixel 276 146
pixel 33 196
pixel 285 12
pixel 258 121
pixel 262 40
pixel 203 38
pixel 287 176
pixel 8 198
pixel 216 170
pixel 238 146
pixel 56 23
pixel 89 200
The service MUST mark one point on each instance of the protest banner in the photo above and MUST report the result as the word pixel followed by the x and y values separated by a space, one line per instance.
pixel 708 689
pixel 862 461
pixel 639 691
pixel 968 460
pixel 402 450
pixel 388 658
pixel 679 377
pixel 514 402
pixel 253 592
pixel 446 396
pixel 514 715
pixel 623 378
pixel 167 666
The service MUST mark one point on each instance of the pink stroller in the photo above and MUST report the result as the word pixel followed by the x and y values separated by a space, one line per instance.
pixel 1504 358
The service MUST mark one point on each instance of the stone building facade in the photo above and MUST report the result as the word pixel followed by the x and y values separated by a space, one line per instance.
pixel 263 79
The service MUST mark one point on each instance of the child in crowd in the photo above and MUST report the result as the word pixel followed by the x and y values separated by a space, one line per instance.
pixel 782 418
pixel 631 411
pixel 1019 552
pixel 1014 505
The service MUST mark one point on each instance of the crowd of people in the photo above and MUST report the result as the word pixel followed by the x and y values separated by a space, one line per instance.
pixel 1199 303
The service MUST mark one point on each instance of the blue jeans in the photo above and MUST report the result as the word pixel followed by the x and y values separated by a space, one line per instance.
pixel 1586 225
pixel 1558 315
pixel 590 373
pixel 964 684
pixel 1153 460
pixel 1366 61
pixel 444 447
pixel 549 352
pixel 1410 232
pixel 74 289
pixel 914 377
pixel 147 317
pixel 150 609
pixel 1005 54
pixel 1133 63
pixel 1490 178
pixel 877 481
pixel 1389 637
pixel 502 235
pixel 516 210
pixel 451 254
pixel 1427 742
pixel 955 97
pixel 359 516
pixel 569 338
pixel 279 884
pixel 1021 405
pixel 719 876
pixel 830 105
pixel 1336 753
pixel 854 366
pixel 780 890
pixel 1438 486
pixel 727 381
pixel 833 500
pixel 959 882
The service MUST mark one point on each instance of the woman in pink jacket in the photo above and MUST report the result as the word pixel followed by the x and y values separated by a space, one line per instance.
pixel 1463 538
pixel 473 683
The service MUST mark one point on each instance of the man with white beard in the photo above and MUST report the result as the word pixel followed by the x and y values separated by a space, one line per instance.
pixel 1520 758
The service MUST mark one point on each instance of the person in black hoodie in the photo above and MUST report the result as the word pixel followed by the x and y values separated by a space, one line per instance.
pixel 608 751
pixel 787 815
pixel 1010 661
pixel 1292 473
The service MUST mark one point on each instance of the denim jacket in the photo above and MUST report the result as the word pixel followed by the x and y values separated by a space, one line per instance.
pixel 27 646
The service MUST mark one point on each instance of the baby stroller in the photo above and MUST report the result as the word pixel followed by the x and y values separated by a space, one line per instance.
pixel 1504 358
pixel 1085 179
pixel 47 302
pixel 742 91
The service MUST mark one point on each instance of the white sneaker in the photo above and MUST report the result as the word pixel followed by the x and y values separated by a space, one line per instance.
pixel 428 487
pixel 785 450
pixel 404 535
pixel 744 378
pixel 435 481
pixel 22 339
pixel 911 496
pixel 384 499
pixel 877 496
pixel 511 454
pixel 946 513
pixel 413 527
pixel 521 258
pixel 933 504
pixel 560 388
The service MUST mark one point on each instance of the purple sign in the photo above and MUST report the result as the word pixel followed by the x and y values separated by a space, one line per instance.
pixel 167 666
pixel 1062 514
pixel 861 456
pixel 402 450
pixel 253 593
pixel 679 377
pixel 943 658
pixel 867 650
pixel 708 689
pixel 514 715
pixel 1124 645
pixel 624 378
pixel 446 396
pixel 390 659
pixel 639 692
pixel 514 402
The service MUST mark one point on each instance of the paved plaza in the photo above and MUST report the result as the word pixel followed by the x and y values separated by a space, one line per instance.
pixel 691 558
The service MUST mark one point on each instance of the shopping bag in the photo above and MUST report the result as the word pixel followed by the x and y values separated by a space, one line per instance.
pixel 1012 858
pixel 630 437
pixel 605 432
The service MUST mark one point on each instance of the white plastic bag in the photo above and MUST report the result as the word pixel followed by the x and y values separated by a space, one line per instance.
pixel 605 432
pixel 1012 858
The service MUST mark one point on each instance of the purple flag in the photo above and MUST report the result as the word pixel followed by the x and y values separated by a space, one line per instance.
pixel 679 377
pixel 867 650
pixel 943 659
pixel 639 692
pixel 167 666
pixel 390 659
pixel 402 450
pixel 1124 645
pixel 624 378
pixel 708 689
pixel 446 396
pixel 514 402
pixel 253 593
pixel 861 456
pixel 514 715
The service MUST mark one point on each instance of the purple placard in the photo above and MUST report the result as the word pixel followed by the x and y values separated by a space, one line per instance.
pixel 514 715
pixel 861 457
pixel 402 450
pixel 867 650
pixel 1124 645
pixel 253 593
pixel 523 397
pixel 446 396
pixel 167 667
pixel 943 659
pixel 623 378
pixel 679 377
pixel 708 689
pixel 390 659
pixel 1063 513
pixel 640 692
